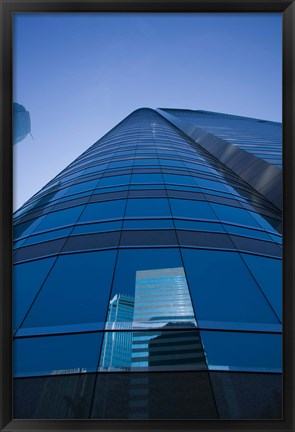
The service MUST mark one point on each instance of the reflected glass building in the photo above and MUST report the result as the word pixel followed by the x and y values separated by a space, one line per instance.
pixel 148 275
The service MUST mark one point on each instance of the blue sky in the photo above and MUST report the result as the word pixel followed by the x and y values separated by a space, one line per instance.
pixel 80 74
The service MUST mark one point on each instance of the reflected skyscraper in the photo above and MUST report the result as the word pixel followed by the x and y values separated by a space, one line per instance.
pixel 116 350
pixel 151 265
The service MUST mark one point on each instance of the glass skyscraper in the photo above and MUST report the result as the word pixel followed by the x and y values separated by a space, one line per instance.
pixel 148 275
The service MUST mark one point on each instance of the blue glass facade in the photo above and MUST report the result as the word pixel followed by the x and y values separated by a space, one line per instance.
pixel 148 277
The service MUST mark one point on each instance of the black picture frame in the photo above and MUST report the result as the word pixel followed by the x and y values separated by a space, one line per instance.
pixel 7 9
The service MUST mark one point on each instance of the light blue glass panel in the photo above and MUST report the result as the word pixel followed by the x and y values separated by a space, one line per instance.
pixel 147 178
pixel 148 224
pixel 51 235
pixel 247 232
pixel 114 181
pixel 97 227
pixel 26 228
pixel 191 209
pixel 178 179
pixel 150 207
pixel 268 274
pixel 204 183
pixel 60 218
pixel 76 291
pixel 119 164
pixel 103 210
pixel 234 215
pixel 275 226
pixel 242 351
pixel 27 280
pixel 143 161
pixel 223 289
pixel 82 187
pixel 98 168
pixel 53 355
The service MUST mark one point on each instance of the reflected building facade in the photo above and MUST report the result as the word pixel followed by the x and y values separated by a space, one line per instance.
pixel 148 275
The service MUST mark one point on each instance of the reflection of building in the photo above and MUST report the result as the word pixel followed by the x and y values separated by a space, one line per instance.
pixel 173 209
pixel 178 347
pixel 21 123
pixel 161 296
pixel 116 350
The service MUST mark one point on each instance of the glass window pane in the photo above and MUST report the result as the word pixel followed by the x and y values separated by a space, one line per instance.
pixel 77 291
pixel 48 236
pixel 97 227
pixel 147 178
pixel 191 209
pixel 103 210
pixel 198 226
pixel 268 274
pixel 56 354
pixel 148 224
pixel 152 349
pixel 243 351
pixel 114 181
pixel 82 187
pixel 131 261
pixel 178 179
pixel 60 218
pixel 151 207
pixel 234 215
pixel 27 280
pixel 223 289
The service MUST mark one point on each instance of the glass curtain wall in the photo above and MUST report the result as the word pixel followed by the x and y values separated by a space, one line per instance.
pixel 147 284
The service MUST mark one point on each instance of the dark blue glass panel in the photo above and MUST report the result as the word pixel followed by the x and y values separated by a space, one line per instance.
pixel 242 351
pixel 60 218
pixel 198 226
pixel 191 209
pixel 216 294
pixel 27 280
pixel 85 282
pixel 268 274
pixel 151 207
pixel 56 354
pixel 103 210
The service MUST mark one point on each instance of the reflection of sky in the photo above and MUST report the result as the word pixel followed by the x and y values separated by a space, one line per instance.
pixel 80 74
